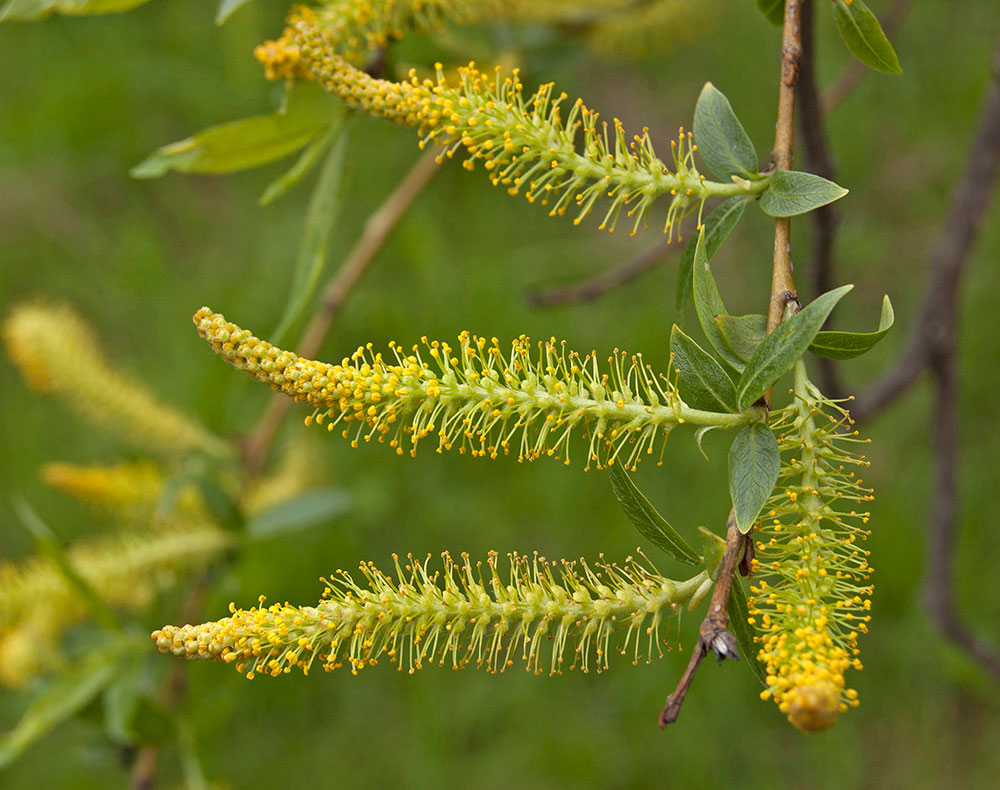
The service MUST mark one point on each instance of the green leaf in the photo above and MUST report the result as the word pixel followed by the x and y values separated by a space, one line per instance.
pixel 324 206
pixel 754 462
pixel 650 524
pixel 738 614
pixel 793 192
pixel 708 304
pixel 247 143
pixel 743 333
pixel 718 225
pixel 64 697
pixel 784 346
pixel 310 509
pixel 774 10
pixel 50 546
pixel 722 141
pixel 713 548
pixel 34 10
pixel 703 383
pixel 304 165
pixel 864 36
pixel 847 345
pixel 227 8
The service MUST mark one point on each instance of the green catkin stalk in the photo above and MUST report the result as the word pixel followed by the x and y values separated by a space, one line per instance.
pixel 461 615
pixel 525 144
pixel 811 594
pixel 527 403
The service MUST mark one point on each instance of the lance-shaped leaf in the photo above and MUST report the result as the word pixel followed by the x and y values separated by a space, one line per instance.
pixel 743 333
pixel 63 698
pixel 793 192
pixel 650 524
pixel 847 345
pixel 247 143
pixel 702 381
pixel 738 616
pixel 722 141
pixel 708 304
pixel 304 165
pixel 774 10
pixel 754 462
pixel 324 206
pixel 864 36
pixel 718 226
pixel 227 8
pixel 34 10
pixel 310 509
pixel 786 344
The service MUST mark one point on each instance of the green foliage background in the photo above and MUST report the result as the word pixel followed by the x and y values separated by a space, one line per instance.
pixel 85 99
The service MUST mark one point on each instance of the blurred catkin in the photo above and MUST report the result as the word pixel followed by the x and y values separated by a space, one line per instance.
pixel 58 354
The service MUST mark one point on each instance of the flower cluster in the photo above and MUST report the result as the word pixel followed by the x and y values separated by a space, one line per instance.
pixel 126 488
pixel 57 353
pixel 461 615
pixel 525 144
pixel 474 397
pixel 811 598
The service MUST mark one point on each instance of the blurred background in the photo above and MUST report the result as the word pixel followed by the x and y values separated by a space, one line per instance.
pixel 85 99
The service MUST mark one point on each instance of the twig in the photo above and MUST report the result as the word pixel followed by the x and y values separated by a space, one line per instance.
pixel 782 281
pixel 376 230
pixel 820 162
pixel 602 282
pixel 855 70
pixel 970 203
pixel 714 634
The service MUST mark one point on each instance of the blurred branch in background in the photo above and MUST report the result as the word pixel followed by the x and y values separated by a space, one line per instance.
pixel 376 230
pixel 933 347
pixel 599 284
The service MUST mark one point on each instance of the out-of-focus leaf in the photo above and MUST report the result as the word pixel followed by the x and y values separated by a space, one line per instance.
pixel 774 10
pixel 249 142
pixel 864 36
pixel 63 698
pixel 304 165
pixel 324 206
pixel 708 304
pixel 847 345
pixel 743 333
pixel 738 614
pixel 49 545
pixel 718 226
pixel 703 383
pixel 784 346
pixel 754 463
pixel 722 141
pixel 227 8
pixel 34 10
pixel 647 520
pixel 304 511
pixel 793 192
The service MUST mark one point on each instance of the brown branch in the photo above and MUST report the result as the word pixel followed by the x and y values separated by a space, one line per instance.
pixel 820 162
pixel 714 634
pixel 593 287
pixel 376 230
pixel 970 203
pixel 855 70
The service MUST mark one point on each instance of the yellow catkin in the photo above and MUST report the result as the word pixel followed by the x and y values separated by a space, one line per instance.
pixel 58 354
pixel 526 144
pixel 528 402
pixel 811 594
pixel 463 614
